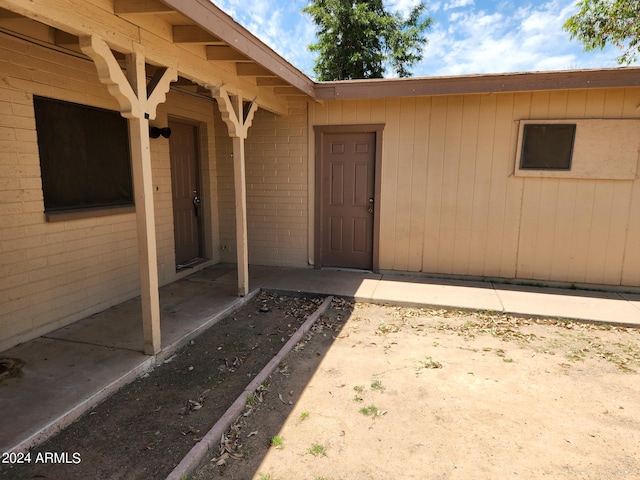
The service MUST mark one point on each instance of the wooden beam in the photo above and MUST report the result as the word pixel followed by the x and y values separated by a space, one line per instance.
pixel 140 6
pixel 253 70
pixel 184 82
pixel 7 14
pixel 192 34
pixel 213 19
pixel 224 53
pixel 288 91
pixel 271 82
pixel 65 39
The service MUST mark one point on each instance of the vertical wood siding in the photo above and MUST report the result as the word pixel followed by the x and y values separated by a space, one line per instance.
pixel 450 205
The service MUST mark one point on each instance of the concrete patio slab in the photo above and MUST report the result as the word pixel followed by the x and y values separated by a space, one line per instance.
pixel 60 380
pixel 357 285
pixel 117 327
pixel 184 305
pixel 412 291
pixel 226 274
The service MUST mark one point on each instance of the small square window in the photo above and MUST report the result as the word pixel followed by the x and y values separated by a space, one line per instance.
pixel 547 146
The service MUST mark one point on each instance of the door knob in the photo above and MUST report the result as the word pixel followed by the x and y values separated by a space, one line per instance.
pixel 196 203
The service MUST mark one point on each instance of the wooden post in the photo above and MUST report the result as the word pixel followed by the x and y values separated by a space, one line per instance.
pixel 145 210
pixel 138 106
pixel 238 126
pixel 146 228
pixel 239 179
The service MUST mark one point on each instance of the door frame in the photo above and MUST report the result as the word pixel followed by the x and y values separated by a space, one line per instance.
pixel 320 132
pixel 197 128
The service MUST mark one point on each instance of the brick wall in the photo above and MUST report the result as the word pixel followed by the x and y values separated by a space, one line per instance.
pixel 225 191
pixel 277 188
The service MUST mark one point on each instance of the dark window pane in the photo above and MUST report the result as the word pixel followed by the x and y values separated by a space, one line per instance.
pixel 84 156
pixel 547 146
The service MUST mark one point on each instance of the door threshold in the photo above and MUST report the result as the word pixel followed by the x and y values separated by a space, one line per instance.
pixel 347 269
pixel 189 264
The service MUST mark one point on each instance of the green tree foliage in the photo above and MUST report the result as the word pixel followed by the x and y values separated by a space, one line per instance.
pixel 360 39
pixel 608 22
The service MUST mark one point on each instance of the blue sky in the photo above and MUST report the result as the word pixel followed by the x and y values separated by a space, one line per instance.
pixel 467 37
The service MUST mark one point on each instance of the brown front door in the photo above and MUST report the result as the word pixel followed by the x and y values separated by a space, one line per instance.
pixel 186 194
pixel 347 199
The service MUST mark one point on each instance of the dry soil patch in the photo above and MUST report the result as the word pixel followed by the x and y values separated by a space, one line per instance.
pixel 380 392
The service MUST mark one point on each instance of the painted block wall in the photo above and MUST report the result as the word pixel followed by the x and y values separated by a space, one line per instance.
pixel 54 273
pixel 451 206
pixel 277 189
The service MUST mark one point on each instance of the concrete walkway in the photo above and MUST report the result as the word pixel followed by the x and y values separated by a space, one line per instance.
pixel 622 309
pixel 70 370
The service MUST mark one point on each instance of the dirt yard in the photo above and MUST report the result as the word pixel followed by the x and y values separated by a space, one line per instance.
pixel 384 392
pixel 375 393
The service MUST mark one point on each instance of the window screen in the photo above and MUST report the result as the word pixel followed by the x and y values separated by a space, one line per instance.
pixel 84 156
pixel 547 146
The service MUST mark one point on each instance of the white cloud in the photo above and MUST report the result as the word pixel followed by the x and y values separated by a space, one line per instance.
pixel 402 6
pixel 527 38
pixel 280 25
pixel 458 4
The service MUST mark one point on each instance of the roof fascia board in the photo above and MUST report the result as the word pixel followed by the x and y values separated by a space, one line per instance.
pixel 216 21
pixel 493 83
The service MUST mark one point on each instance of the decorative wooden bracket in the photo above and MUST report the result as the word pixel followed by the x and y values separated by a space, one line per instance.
pixel 238 123
pixel 132 104
pixel 234 116
pixel 158 87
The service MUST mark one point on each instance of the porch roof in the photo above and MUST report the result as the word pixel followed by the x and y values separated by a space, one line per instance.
pixel 210 49
pixel 206 46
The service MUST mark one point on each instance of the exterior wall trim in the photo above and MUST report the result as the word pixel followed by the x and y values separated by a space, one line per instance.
pixel 460 84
